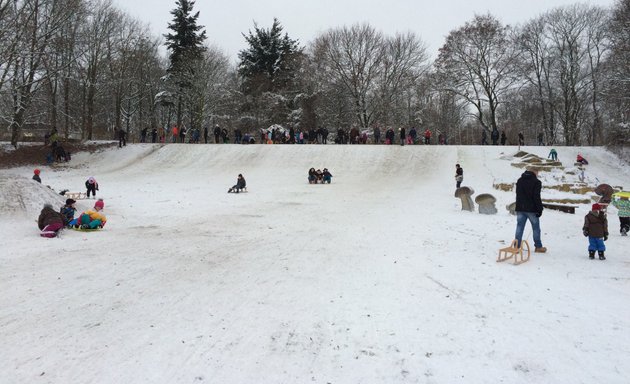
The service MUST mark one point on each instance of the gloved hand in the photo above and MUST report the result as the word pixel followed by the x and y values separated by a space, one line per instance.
pixel 605 237
pixel 538 214
pixel 585 232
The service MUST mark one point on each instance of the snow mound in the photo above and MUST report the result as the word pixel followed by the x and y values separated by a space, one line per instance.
pixel 20 195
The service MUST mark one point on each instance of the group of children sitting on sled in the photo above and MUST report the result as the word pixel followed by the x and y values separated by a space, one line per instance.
pixel 50 222
pixel 319 176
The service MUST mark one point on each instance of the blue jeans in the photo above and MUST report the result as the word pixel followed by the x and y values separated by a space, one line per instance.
pixel 596 244
pixel 521 220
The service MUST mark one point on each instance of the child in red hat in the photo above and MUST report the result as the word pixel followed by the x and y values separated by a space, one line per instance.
pixel 596 229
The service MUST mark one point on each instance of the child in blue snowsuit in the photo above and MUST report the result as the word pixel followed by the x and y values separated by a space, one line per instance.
pixel 327 176
pixel 67 211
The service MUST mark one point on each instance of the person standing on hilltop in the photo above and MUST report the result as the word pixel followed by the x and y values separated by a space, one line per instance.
pixel 459 176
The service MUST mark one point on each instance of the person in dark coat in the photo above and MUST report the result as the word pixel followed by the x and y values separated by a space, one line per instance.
pixel 143 135
pixel 122 138
pixel 529 207
pixel 36 176
pixel 217 134
pixel 240 184
pixel 503 138
pixel 403 136
pixel 327 176
pixel 521 139
pixel 153 135
pixel 484 137
pixel 68 211
pixel 377 135
pixel 50 221
pixel 459 176
pixel 495 137
pixel 596 229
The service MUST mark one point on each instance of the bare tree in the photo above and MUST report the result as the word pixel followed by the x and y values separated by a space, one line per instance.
pixel 38 22
pixel 477 62
pixel 353 57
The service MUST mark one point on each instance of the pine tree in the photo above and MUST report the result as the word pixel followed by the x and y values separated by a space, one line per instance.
pixel 270 62
pixel 185 46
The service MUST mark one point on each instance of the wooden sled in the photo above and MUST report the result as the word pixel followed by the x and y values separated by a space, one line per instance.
pixel 520 255
pixel 75 195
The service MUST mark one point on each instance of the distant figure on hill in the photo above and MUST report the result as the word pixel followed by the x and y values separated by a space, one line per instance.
pixel 239 186
pixel 459 176
pixel 503 138
pixel 312 176
pixel 327 176
pixel 484 137
pixel 495 136
pixel 540 139
pixel 521 139
pixel 122 138
pixel 36 176
pixel 580 159
pixel 217 134
pixel 377 135
pixel 553 154
pixel 427 136
pixel 403 136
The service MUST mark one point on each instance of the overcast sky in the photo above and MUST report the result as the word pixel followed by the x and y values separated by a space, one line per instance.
pixel 226 20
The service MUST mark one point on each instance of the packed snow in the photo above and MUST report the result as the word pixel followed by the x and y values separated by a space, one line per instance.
pixel 379 277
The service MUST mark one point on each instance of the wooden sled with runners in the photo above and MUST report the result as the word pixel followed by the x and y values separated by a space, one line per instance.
pixel 520 254
pixel 75 195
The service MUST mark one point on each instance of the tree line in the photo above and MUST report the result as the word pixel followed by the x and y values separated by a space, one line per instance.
pixel 88 70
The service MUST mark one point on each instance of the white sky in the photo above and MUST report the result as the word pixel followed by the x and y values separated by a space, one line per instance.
pixel 303 20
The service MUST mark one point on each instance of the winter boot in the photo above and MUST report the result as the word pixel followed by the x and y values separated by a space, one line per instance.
pixel 591 255
pixel 624 231
pixel 601 255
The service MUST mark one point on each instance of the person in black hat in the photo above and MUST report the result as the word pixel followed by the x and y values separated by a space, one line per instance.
pixel 67 211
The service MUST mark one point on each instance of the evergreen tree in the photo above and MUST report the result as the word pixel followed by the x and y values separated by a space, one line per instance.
pixel 185 46
pixel 270 62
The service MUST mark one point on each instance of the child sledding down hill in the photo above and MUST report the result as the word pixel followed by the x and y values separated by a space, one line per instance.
pixel 92 218
pixel 621 201
pixel 68 210
pixel 50 222
pixel 240 184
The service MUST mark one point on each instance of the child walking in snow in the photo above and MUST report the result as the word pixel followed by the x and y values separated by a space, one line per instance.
pixel 621 201
pixel 92 186
pixel 596 229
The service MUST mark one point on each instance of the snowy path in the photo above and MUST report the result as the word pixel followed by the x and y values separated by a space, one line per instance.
pixel 377 278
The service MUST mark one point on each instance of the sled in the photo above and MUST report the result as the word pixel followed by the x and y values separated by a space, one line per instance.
pixel 623 194
pixel 85 229
pixel 520 255
pixel 75 195
pixel 231 190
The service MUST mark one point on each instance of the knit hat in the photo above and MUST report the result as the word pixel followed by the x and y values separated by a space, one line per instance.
pixel 91 180
pixel 596 207
pixel 36 171
pixel 70 201
pixel 99 204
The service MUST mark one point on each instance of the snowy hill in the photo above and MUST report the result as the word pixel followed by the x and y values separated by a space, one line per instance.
pixel 376 278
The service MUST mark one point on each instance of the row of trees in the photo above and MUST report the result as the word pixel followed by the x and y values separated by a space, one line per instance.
pixel 89 70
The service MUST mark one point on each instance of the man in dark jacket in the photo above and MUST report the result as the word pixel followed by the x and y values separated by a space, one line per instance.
pixel 529 207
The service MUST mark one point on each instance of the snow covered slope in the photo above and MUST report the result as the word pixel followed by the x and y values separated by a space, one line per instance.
pixel 376 278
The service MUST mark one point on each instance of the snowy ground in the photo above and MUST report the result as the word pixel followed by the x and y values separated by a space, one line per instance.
pixel 376 278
